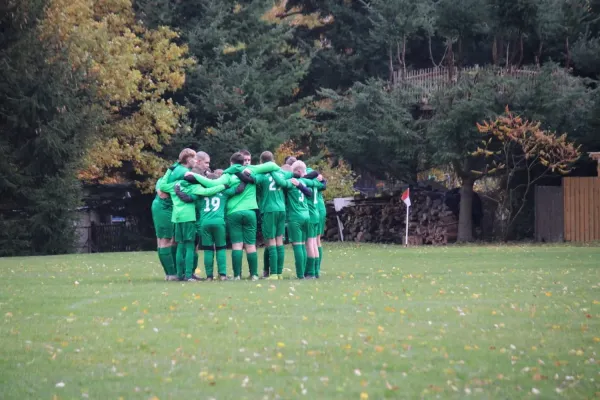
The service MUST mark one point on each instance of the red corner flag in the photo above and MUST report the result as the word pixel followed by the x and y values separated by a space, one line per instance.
pixel 406 197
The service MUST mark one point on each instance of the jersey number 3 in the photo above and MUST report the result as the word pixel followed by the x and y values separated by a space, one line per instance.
pixel 215 202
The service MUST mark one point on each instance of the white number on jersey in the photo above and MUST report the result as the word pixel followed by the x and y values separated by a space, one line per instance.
pixel 301 198
pixel 272 184
pixel 215 202
pixel 315 195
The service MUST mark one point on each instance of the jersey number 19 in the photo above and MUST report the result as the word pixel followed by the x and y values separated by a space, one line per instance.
pixel 215 202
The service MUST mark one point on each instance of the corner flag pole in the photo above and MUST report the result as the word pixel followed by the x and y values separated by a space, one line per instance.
pixel 406 199
pixel 406 236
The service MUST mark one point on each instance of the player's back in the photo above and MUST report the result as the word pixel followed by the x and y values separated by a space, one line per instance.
pixel 296 204
pixel 211 210
pixel 272 197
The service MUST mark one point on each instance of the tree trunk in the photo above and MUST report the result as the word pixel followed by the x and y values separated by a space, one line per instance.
pixel 450 60
pixel 495 51
pixel 391 68
pixel 568 55
pixel 465 216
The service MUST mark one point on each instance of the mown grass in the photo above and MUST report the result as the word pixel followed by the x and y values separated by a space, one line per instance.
pixel 382 322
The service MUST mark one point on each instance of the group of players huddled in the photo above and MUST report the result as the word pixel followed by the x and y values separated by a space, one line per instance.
pixel 195 208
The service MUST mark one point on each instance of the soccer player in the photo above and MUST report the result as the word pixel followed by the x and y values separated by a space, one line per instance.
pixel 272 209
pixel 298 215
pixel 162 210
pixel 241 214
pixel 211 224
pixel 313 224
pixel 184 218
pixel 322 215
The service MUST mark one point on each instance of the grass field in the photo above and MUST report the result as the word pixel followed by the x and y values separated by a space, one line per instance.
pixel 382 322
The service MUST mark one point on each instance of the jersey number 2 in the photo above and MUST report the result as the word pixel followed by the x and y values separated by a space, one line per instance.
pixel 272 184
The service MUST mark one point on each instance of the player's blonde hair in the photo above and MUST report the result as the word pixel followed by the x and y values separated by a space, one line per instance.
pixel 300 166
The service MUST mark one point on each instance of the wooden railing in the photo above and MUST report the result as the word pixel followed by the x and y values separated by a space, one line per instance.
pixel 425 81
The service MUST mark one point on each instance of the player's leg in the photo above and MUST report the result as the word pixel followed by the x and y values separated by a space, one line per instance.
pixel 268 231
pixel 323 220
pixel 164 234
pixel 249 233
pixel 236 235
pixel 311 250
pixel 180 258
pixel 296 237
pixel 197 242
pixel 208 248
pixel 218 232
pixel 279 237
pixel 188 231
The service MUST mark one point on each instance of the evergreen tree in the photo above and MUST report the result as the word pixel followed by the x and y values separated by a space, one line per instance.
pixel 45 123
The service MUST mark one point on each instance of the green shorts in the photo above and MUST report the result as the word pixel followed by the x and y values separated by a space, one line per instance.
pixel 298 230
pixel 242 226
pixel 313 229
pixel 273 224
pixel 213 235
pixel 161 216
pixel 322 221
pixel 185 231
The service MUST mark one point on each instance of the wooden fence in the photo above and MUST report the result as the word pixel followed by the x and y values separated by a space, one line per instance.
pixel 425 81
pixel 581 198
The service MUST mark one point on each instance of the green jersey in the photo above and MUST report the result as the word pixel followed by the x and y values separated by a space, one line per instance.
pixel 320 200
pixel 296 202
pixel 182 211
pixel 174 175
pixel 272 198
pixel 211 209
pixel 312 203
pixel 247 199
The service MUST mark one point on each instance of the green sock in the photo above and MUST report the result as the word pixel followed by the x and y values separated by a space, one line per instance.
pixel 280 258
pixel 299 260
pixel 252 263
pixel 272 257
pixel 209 256
pixel 266 262
pixel 162 261
pixel 318 269
pixel 222 261
pixel 310 266
pixel 174 253
pixel 305 257
pixel 180 261
pixel 166 259
pixel 190 249
pixel 236 262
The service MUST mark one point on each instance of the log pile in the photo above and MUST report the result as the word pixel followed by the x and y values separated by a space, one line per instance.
pixel 382 219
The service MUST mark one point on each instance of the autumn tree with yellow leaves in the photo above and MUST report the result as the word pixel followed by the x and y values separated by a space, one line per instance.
pixel 134 70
